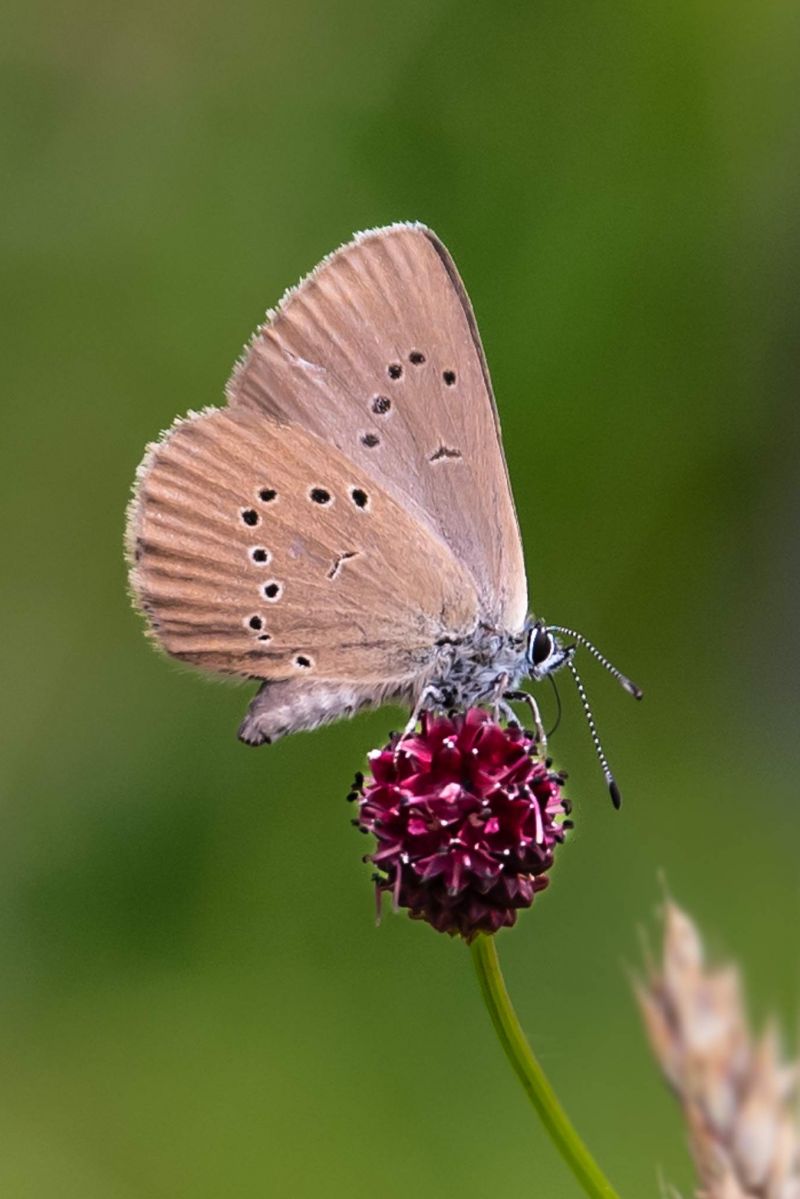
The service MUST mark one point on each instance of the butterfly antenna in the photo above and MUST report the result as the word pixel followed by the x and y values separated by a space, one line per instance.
pixel 616 798
pixel 629 686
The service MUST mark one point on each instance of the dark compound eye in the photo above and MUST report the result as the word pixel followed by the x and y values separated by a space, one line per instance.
pixel 250 516
pixel 395 370
pixel 449 377
pixel 417 357
pixel 359 497
pixel 267 494
pixel 381 405
pixel 542 647
pixel 319 495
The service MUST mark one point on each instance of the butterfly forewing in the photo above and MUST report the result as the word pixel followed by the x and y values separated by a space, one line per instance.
pixel 377 353
pixel 260 551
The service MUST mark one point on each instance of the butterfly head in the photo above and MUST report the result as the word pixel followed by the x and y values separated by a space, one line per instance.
pixel 544 654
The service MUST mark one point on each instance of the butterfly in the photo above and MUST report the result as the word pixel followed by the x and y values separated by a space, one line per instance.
pixel 343 530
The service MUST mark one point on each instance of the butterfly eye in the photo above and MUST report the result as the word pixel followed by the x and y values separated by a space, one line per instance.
pixel 542 647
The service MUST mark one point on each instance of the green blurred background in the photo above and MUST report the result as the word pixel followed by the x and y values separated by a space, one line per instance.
pixel 195 1000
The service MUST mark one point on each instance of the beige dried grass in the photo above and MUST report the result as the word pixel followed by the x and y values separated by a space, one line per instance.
pixel 737 1092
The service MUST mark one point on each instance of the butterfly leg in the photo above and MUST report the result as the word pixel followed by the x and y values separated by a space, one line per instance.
pixel 498 698
pixel 504 709
pixel 525 697
pixel 430 694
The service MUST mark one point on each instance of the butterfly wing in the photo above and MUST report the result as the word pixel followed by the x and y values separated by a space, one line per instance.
pixel 259 551
pixel 377 353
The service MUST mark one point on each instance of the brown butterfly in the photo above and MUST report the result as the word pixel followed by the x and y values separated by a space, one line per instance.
pixel 344 529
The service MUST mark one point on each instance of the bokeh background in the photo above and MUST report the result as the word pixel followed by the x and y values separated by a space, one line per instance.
pixel 194 999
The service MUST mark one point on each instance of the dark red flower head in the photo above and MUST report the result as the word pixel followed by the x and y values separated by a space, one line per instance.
pixel 466 820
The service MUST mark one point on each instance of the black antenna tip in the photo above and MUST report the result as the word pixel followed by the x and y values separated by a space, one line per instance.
pixel 613 791
pixel 631 687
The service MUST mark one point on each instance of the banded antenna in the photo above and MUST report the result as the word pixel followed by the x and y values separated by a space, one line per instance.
pixel 629 686
pixel 611 782
pixel 621 678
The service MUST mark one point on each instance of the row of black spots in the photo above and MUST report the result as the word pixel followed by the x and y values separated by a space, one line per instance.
pixel 317 495
pixel 256 623
pixel 250 516
pixel 395 370
pixel 320 495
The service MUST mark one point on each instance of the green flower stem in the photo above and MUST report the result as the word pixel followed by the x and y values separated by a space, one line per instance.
pixel 531 1075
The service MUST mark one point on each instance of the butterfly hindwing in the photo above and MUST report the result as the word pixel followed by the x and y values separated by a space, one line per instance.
pixel 259 551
